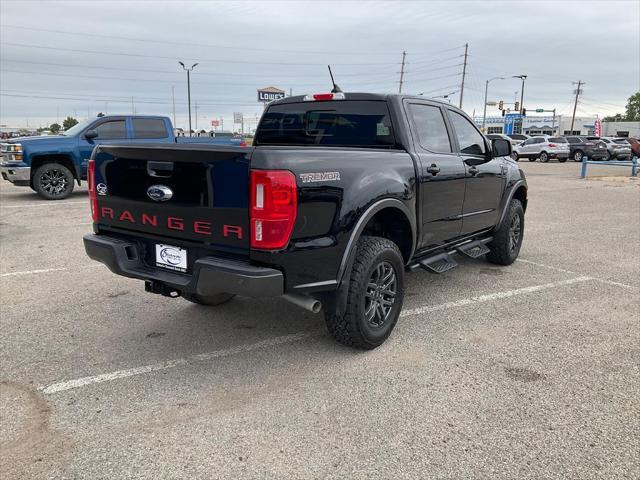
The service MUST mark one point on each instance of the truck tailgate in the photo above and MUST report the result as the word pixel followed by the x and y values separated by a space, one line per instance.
pixel 175 194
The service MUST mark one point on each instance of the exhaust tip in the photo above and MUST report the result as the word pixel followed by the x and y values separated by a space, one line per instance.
pixel 316 307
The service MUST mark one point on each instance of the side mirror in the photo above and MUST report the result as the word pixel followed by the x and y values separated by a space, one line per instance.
pixel 90 134
pixel 501 147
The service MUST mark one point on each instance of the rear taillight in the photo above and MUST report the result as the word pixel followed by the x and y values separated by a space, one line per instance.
pixel 553 145
pixel 243 143
pixel 91 185
pixel 273 208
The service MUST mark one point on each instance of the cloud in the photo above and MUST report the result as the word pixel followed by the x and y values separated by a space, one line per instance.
pixel 114 51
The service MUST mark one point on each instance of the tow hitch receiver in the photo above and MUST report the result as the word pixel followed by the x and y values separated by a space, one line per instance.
pixel 160 289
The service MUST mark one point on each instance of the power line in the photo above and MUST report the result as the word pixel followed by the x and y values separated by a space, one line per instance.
pixel 205 73
pixel 206 45
pixel 213 60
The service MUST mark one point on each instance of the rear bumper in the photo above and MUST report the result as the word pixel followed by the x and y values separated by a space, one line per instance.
pixel 16 175
pixel 559 154
pixel 211 275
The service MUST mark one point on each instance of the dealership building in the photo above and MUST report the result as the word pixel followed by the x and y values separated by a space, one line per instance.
pixel 556 125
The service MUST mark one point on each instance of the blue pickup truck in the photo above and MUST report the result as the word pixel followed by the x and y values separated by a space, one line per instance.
pixel 51 165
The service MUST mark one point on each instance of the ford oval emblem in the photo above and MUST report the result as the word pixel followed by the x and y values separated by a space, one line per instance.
pixel 159 193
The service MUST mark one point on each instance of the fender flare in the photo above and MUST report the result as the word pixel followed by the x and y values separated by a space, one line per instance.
pixel 350 251
pixel 505 207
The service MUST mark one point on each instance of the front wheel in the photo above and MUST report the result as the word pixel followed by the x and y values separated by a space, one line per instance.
pixel 577 156
pixel 53 181
pixel 507 240
pixel 209 301
pixel 374 297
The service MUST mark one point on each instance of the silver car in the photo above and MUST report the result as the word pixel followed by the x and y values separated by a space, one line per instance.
pixel 616 151
pixel 543 147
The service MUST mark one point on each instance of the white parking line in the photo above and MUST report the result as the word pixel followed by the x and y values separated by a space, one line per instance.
pixel 492 296
pixel 168 364
pixel 31 272
pixel 603 280
pixel 130 372
pixel 48 204
pixel 48 270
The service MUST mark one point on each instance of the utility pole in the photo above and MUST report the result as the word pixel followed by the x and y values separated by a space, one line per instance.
pixel 404 55
pixel 464 72
pixel 133 107
pixel 173 101
pixel 196 107
pixel 575 105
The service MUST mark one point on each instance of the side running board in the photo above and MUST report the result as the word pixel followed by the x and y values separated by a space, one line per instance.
pixel 443 262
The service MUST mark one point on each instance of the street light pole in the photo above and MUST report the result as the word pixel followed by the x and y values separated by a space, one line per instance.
pixel 486 89
pixel 523 78
pixel 188 70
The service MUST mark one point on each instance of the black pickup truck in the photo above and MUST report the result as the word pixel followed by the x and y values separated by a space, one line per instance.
pixel 339 196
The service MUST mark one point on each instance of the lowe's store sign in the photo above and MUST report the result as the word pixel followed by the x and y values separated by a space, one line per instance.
pixel 269 95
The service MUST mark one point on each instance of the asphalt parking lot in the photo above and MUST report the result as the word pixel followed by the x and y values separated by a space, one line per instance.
pixel 527 371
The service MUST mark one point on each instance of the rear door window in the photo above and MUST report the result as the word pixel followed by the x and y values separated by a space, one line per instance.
pixel 112 130
pixel 430 128
pixel 340 123
pixel 470 140
pixel 149 128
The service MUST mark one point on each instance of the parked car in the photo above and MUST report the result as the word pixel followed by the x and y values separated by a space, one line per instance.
pixel 518 138
pixel 493 136
pixel 615 151
pixel 580 147
pixel 340 193
pixel 632 142
pixel 544 148
pixel 50 165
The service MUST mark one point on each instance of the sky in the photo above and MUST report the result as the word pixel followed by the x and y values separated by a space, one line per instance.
pixel 80 58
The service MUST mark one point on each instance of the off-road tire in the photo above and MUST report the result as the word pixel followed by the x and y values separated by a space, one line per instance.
pixel 352 327
pixel 502 251
pixel 577 156
pixel 53 181
pixel 209 301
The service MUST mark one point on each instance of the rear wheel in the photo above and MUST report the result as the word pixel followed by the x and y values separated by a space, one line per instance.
pixel 607 157
pixel 562 159
pixel 507 240
pixel 53 181
pixel 577 156
pixel 544 157
pixel 209 301
pixel 532 159
pixel 374 297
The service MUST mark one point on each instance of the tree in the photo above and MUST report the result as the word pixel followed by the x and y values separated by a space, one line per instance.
pixel 69 122
pixel 632 113
pixel 55 127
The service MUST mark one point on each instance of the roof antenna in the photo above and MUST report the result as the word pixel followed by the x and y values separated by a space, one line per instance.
pixel 336 88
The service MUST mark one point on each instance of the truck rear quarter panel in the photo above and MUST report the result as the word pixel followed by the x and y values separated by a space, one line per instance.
pixel 335 188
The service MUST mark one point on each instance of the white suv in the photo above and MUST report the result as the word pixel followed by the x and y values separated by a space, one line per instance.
pixel 544 148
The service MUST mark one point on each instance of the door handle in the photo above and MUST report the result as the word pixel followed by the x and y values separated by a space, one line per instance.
pixel 473 170
pixel 433 169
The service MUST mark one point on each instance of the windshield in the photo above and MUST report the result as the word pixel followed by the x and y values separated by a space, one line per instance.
pixel 77 128
pixel 342 123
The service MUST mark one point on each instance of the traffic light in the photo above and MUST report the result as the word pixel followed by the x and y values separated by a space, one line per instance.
pixel 501 105
pixel 524 112
pixel 516 106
